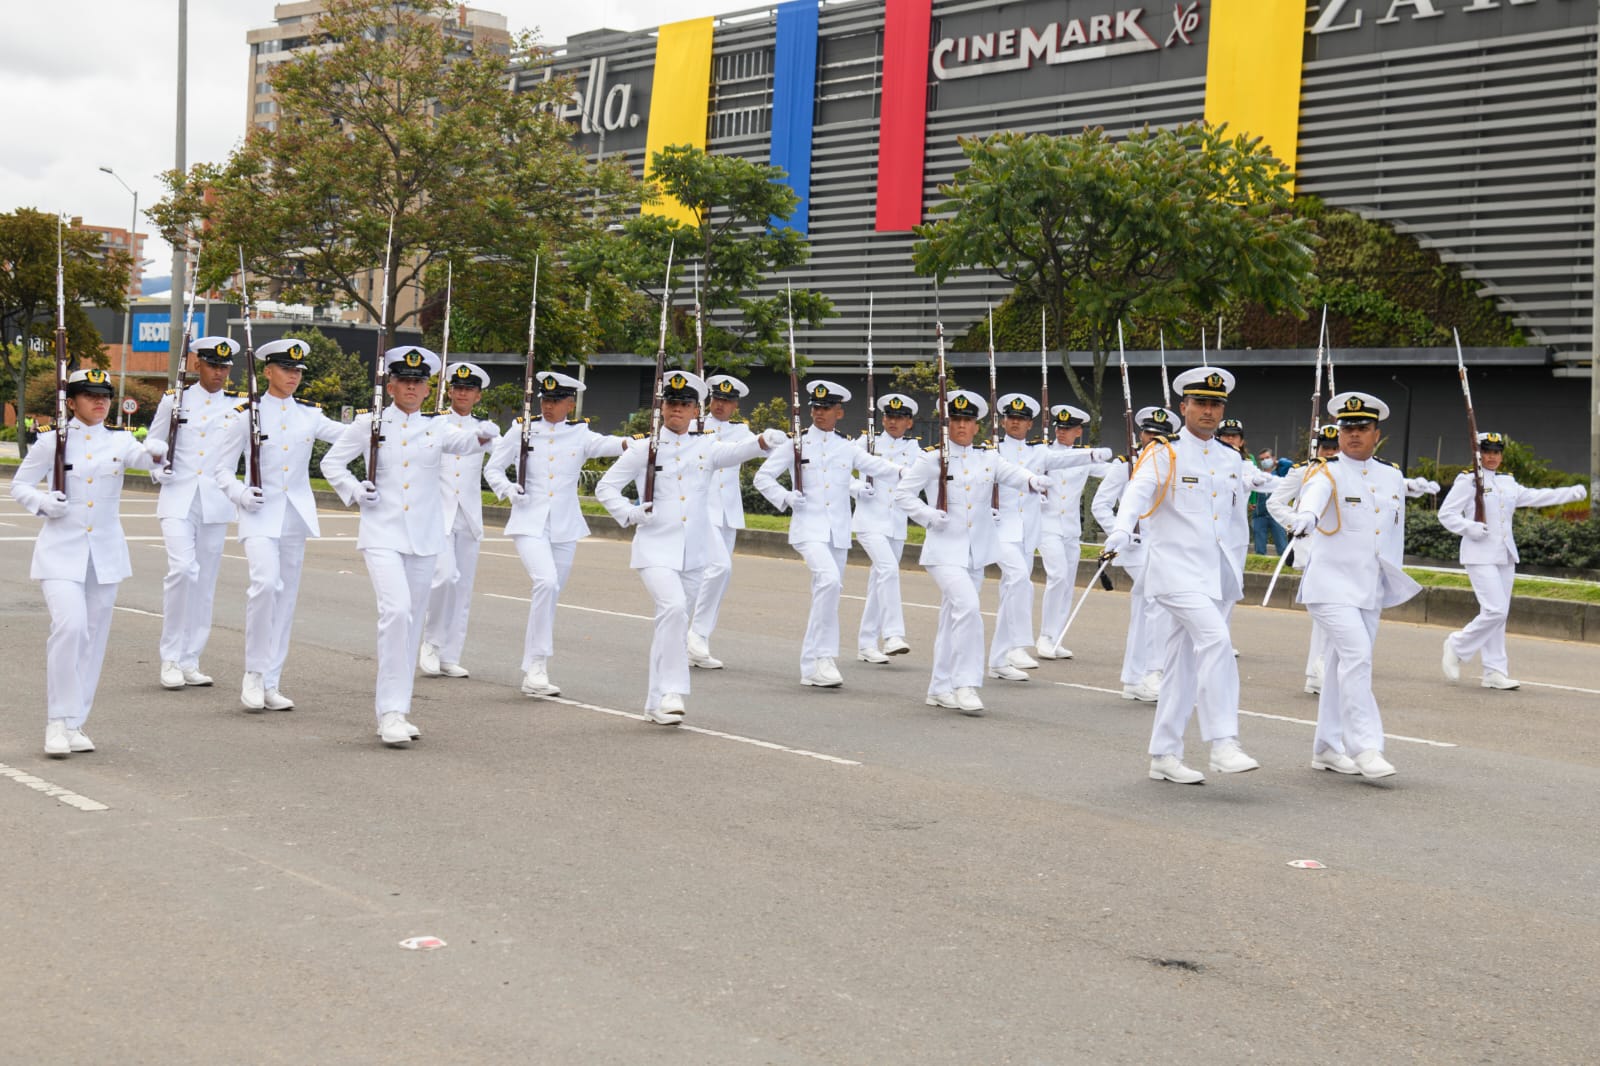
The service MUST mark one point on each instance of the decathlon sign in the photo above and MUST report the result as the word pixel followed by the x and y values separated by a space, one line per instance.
pixel 153 333
pixel 1071 41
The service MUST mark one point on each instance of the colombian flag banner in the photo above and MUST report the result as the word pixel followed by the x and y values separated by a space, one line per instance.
pixel 1253 68
pixel 679 98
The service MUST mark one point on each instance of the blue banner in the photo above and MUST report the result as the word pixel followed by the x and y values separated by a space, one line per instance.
pixel 153 333
pixel 794 92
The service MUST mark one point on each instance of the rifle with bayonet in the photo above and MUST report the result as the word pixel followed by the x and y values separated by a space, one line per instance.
pixel 1166 386
pixel 444 356
pixel 176 419
pixel 529 383
pixel 1316 388
pixel 699 352
pixel 1044 367
pixel 1127 396
pixel 794 403
pixel 380 373
pixel 994 416
pixel 63 370
pixel 1472 431
pixel 942 498
pixel 647 494
pixel 252 394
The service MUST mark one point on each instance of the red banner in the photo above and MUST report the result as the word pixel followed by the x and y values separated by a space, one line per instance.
pixel 902 127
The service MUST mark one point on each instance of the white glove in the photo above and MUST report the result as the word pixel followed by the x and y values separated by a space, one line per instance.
pixel 53 505
pixel 1477 531
pixel 1421 485
pixel 937 520
pixel 1581 493
pixel 796 501
pixel 773 438
pixel 640 516
pixel 1302 523
pixel 1101 455
pixel 156 449
pixel 162 476
pixel 1117 542
pixel 368 494
pixel 1039 483
pixel 487 434
pixel 251 499
pixel 516 494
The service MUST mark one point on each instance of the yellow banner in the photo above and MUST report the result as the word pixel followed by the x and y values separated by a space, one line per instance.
pixel 1253 70
pixel 679 98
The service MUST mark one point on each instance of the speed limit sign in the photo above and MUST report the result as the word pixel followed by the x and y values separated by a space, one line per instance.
pixel 129 405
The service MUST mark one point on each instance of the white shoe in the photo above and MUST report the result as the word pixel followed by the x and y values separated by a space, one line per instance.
pixel 663 715
pixel 700 653
pixel 536 682
pixel 1140 692
pixel 428 659
pixel 453 670
pixel 1495 679
pixel 171 675
pixel 1451 662
pixel 823 675
pixel 1008 673
pixel 392 729
pixel 1228 758
pixel 968 703
pixel 251 694
pixel 1046 649
pixel 871 655
pixel 276 701
pixel 412 731
pixel 1235 653
pixel 1020 658
pixel 57 738
pixel 1171 768
pixel 195 678
pixel 1373 764
pixel 79 741
pixel 895 646
pixel 942 699
pixel 705 662
pixel 1337 761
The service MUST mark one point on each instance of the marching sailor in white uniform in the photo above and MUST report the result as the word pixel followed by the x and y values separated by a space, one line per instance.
pixel 674 541
pixel 1061 528
pixel 1355 507
pixel 727 515
pixel 81 554
pixel 402 521
pixel 276 519
pixel 1280 505
pixel 1020 527
pixel 546 522
pixel 961 540
pixel 444 633
pixel 880 529
pixel 1489 554
pixel 194 512
pixel 1181 495
pixel 1149 626
pixel 819 526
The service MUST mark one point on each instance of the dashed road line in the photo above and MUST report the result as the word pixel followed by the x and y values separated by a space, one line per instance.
pixel 735 737
pixel 39 784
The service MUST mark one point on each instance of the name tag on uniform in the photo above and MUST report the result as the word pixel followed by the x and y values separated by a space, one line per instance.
pixel 1353 499
pixel 1191 481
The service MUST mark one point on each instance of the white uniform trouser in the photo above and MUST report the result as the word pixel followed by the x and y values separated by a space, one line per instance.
pixel 549 564
pixel 194 554
pixel 713 586
pixel 882 616
pixel 1200 674
pixel 275 564
pixel 1149 629
pixel 672 590
pixel 1013 621
pixel 401 581
pixel 958 644
pixel 1061 558
pixel 826 564
pixel 450 600
pixel 1486 633
pixel 1318 651
pixel 1347 713
pixel 80 622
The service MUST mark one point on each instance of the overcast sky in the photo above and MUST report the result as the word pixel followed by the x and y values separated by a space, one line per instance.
pixel 92 83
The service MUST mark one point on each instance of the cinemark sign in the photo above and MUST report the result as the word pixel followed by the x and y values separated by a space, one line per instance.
pixel 1073 41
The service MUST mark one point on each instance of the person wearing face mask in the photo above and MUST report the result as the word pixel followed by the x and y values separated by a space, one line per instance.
pixel 81 554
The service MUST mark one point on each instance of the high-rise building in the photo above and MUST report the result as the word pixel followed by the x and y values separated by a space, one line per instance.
pixel 118 239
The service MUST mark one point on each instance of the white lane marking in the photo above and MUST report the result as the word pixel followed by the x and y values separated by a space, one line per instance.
pixel 769 745
pixel 135 610
pixel 1564 688
pixel 39 784
pixel 924 606
pixel 1273 717
pixel 34 538
pixel 574 607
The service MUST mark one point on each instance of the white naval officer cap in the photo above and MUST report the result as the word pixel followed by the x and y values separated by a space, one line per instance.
pixel 726 387
pixel 553 386
pixel 964 404
pixel 824 393
pixel 1156 420
pixel 288 352
pixel 218 351
pixel 468 375
pixel 897 403
pixel 1018 405
pixel 1212 381
pixel 1353 408
pixel 411 362
pixel 1066 416
pixel 681 385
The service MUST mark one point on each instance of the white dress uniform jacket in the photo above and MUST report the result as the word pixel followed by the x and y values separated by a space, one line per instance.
pixel 971 538
pixel 727 499
pixel 1061 511
pixel 556 454
pixel 1501 498
pixel 876 512
pixel 680 535
pixel 408 517
pixel 207 423
pixel 289 428
pixel 1361 514
pixel 461 480
pixel 1104 509
pixel 1020 510
pixel 97 458
pixel 828 459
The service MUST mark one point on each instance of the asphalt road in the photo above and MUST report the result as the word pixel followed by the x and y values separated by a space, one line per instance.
pixel 798 875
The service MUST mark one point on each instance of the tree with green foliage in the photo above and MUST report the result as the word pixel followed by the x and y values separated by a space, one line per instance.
pixel 1164 227
pixel 735 242
pixel 390 117
pixel 28 293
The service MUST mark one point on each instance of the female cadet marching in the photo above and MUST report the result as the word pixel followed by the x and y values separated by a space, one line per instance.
pixel 880 529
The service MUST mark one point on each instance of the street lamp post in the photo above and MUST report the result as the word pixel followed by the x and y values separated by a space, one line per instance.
pixel 127 318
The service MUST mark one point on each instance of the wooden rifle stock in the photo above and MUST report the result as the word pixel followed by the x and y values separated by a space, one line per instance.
pixel 798 477
pixel 647 493
pixel 1472 430
pixel 62 369
pixel 379 372
pixel 529 375
pixel 942 500
pixel 252 394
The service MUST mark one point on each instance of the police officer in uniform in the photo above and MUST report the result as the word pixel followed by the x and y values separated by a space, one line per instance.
pixel 1061 528
pixel 819 526
pixel 276 519
pixel 727 515
pixel 1355 506
pixel 402 520
pixel 1182 494
pixel 1489 554
pixel 674 542
pixel 444 633
pixel 194 512
pixel 546 522
pixel 81 554
pixel 1280 505
pixel 961 540
pixel 880 529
